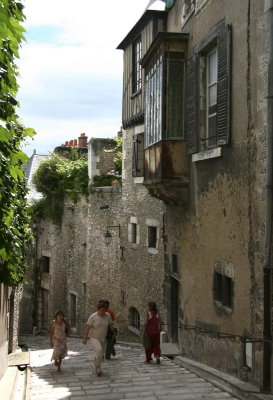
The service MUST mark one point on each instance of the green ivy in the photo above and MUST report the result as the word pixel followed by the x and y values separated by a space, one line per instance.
pixel 104 180
pixel 15 233
pixel 57 177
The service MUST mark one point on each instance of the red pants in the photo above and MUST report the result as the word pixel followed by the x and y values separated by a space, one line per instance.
pixel 155 347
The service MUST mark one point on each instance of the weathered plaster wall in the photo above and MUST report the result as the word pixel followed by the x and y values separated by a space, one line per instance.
pixel 224 225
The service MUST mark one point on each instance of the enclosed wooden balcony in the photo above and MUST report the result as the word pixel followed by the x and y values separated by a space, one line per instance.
pixel 166 171
pixel 166 161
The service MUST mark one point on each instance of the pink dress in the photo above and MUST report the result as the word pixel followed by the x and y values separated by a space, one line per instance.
pixel 59 342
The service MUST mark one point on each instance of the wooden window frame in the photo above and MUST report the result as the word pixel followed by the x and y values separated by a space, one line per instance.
pixel 138 155
pixel 219 37
pixel 137 69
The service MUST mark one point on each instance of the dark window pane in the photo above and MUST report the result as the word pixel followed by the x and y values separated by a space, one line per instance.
pixel 45 264
pixel 174 263
pixel 212 131
pixel 137 67
pixel 152 236
pixel 134 233
pixel 175 99
pixel 73 310
pixel 134 318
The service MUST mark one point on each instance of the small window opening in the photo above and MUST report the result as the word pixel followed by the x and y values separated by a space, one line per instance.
pixel 134 318
pixel 174 264
pixel 152 236
pixel 45 264
pixel 223 289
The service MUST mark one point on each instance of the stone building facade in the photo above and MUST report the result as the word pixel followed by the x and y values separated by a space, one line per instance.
pixel 198 76
pixel 71 266
pixel 191 224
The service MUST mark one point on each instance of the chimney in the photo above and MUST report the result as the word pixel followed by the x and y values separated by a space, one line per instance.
pixel 66 143
pixel 75 142
pixel 83 140
pixel 70 143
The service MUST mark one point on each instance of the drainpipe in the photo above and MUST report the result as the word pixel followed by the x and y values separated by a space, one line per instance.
pixel 36 281
pixel 267 345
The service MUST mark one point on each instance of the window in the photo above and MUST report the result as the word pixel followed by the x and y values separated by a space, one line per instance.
pixel 164 98
pixel 208 92
pixel 153 103
pixel 174 264
pixel 152 236
pixel 138 155
pixel 137 71
pixel 134 318
pixel 223 289
pixel 45 264
pixel 73 310
pixel 133 231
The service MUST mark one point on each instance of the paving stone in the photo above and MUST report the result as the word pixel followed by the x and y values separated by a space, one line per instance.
pixel 126 377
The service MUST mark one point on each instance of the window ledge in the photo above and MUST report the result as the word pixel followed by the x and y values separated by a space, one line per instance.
pixel 139 179
pixel 208 154
pixel 134 330
pixel 152 250
pixel 227 310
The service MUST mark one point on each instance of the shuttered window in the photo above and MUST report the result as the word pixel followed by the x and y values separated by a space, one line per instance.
pixel 138 155
pixel 174 97
pixel 208 92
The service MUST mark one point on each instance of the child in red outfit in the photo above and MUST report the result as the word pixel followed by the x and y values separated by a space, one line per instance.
pixel 153 326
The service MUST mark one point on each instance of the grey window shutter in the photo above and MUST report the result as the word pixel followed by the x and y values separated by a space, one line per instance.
pixel 134 153
pixel 175 100
pixel 223 89
pixel 190 120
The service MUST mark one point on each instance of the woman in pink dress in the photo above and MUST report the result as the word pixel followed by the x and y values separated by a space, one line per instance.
pixel 152 326
pixel 58 331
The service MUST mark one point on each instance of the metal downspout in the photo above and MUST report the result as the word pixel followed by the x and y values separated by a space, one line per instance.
pixel 267 344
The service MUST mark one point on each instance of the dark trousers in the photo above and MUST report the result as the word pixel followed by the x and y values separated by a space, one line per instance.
pixel 110 343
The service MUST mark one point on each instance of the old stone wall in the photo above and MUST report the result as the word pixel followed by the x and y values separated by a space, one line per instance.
pixel 141 265
pixel 100 160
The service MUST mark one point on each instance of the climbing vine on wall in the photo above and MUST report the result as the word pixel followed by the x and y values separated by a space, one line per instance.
pixel 14 220
pixel 57 177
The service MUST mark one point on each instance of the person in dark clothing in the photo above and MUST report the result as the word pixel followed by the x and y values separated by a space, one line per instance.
pixel 153 326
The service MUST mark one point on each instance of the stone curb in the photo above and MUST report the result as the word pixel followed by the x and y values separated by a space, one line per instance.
pixel 8 383
pixel 231 384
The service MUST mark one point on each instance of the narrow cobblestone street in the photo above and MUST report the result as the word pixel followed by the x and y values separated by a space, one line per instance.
pixel 126 376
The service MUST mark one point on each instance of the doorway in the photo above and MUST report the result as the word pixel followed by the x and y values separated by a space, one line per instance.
pixel 174 308
pixel 45 319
